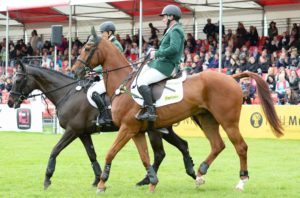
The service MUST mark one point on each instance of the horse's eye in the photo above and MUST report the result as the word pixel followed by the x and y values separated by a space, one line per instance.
pixel 87 49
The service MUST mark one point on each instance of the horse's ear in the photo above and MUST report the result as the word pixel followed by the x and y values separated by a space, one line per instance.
pixel 93 31
pixel 96 39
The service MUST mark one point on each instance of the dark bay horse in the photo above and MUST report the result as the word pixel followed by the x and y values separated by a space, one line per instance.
pixel 212 98
pixel 77 117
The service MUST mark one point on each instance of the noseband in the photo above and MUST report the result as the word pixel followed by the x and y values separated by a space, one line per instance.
pixel 21 96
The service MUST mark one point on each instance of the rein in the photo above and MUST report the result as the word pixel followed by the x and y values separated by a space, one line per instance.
pixel 122 88
pixel 54 90
pixel 22 96
pixel 122 67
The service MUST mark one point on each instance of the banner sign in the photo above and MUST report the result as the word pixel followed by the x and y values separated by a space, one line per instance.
pixel 27 118
pixel 253 123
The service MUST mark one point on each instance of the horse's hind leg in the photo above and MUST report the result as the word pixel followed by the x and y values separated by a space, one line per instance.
pixel 89 147
pixel 182 145
pixel 159 154
pixel 210 128
pixel 64 141
pixel 241 148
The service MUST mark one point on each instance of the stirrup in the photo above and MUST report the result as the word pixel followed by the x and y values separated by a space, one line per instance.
pixel 150 117
pixel 103 121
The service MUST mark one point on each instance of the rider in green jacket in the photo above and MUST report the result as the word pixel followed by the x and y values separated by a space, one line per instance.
pixel 165 60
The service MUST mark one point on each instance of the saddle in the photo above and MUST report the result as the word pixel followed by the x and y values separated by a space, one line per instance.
pixel 165 92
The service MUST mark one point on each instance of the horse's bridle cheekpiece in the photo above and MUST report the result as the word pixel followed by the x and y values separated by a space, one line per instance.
pixel 94 41
pixel 21 95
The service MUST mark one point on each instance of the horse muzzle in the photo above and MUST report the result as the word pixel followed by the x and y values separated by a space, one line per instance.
pixel 12 103
pixel 80 73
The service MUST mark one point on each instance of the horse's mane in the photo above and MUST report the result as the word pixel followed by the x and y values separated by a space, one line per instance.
pixel 52 71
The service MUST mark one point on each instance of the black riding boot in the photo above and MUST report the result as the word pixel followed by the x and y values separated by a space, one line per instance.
pixel 148 115
pixel 103 118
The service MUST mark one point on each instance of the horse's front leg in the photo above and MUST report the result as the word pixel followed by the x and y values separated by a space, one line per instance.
pixel 124 135
pixel 141 144
pixel 159 154
pixel 89 147
pixel 64 141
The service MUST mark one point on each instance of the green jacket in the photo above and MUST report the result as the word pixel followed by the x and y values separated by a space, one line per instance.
pixel 117 44
pixel 170 51
pixel 98 69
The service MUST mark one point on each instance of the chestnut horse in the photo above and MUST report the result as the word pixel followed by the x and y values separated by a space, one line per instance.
pixel 213 99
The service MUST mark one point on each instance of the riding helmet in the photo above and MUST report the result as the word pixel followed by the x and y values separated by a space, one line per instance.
pixel 107 26
pixel 171 10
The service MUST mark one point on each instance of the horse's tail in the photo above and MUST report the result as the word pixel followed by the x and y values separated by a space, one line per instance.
pixel 264 95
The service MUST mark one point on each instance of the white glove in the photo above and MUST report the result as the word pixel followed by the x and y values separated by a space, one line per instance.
pixel 152 54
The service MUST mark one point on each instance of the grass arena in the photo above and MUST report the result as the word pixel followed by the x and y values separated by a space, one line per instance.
pixel 273 165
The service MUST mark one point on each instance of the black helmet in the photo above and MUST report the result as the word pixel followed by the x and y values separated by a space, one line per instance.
pixel 171 10
pixel 107 26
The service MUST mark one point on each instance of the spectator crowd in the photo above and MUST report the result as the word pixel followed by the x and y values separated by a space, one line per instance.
pixel 275 57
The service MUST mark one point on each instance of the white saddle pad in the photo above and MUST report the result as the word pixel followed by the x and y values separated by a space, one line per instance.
pixel 96 86
pixel 172 93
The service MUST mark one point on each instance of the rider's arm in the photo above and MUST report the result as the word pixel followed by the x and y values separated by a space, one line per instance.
pixel 175 44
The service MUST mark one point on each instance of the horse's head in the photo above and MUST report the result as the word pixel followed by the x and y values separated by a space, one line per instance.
pixel 20 87
pixel 88 57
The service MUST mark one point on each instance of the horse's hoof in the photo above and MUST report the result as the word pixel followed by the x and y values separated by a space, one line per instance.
pixel 47 183
pixel 191 173
pixel 240 186
pixel 152 188
pixel 143 182
pixel 95 183
pixel 200 181
pixel 189 166
pixel 100 190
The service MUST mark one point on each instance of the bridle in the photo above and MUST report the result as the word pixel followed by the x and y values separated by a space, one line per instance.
pixel 21 95
pixel 86 63
pixel 88 60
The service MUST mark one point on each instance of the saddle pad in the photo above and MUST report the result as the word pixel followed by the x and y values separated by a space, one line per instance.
pixel 172 92
pixel 96 86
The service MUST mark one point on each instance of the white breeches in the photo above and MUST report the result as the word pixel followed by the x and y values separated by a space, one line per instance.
pixel 149 75
pixel 101 87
